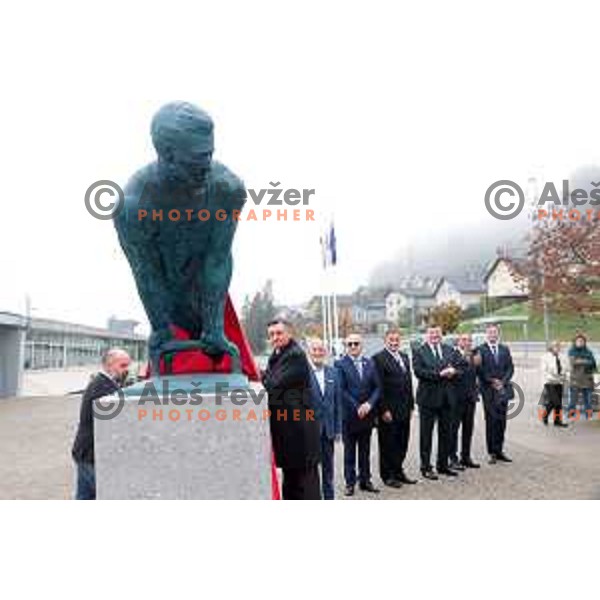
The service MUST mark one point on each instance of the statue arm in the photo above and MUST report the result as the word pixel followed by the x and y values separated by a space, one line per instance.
pixel 139 245
pixel 216 270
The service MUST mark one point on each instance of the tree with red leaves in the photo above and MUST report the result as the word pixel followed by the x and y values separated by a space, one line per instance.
pixel 563 266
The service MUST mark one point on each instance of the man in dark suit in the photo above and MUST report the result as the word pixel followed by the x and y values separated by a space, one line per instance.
pixel 466 397
pixel 434 365
pixel 395 410
pixel 115 367
pixel 495 373
pixel 360 390
pixel 325 394
pixel 295 431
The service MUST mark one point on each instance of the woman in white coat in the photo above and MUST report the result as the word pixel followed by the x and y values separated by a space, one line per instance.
pixel 553 370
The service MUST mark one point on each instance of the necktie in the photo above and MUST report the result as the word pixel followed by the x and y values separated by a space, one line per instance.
pixel 558 365
pixel 320 377
pixel 438 352
pixel 398 359
pixel 359 367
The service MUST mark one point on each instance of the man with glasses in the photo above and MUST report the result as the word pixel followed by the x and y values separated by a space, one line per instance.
pixel 360 391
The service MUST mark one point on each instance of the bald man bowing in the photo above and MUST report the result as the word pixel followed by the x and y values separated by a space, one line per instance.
pixel 115 367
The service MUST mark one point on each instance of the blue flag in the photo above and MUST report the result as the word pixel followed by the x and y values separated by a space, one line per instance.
pixel 332 245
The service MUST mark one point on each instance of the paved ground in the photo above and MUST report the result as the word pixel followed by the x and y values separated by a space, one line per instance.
pixel 35 439
pixel 36 434
pixel 549 462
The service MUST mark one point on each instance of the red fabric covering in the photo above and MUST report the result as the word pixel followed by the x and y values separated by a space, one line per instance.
pixel 195 361
pixel 275 491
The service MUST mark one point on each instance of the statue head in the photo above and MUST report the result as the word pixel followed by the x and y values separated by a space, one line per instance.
pixel 183 137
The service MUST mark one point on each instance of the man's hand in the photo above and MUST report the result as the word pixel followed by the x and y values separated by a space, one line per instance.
pixel 363 410
pixel 387 416
pixel 497 384
pixel 448 372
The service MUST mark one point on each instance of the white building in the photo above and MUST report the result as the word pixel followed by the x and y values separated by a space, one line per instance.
pixel 413 303
pixel 395 304
pixel 502 280
pixel 465 292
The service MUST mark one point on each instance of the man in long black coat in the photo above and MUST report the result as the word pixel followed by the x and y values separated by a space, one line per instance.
pixel 395 410
pixel 295 431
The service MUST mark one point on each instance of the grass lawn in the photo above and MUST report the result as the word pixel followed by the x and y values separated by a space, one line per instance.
pixel 562 327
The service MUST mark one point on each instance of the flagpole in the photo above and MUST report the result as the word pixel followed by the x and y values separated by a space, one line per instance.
pixel 336 328
pixel 324 298
pixel 332 254
pixel 330 325
pixel 324 314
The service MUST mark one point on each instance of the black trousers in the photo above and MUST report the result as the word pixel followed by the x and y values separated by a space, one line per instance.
pixel 393 444
pixel 553 395
pixel 495 421
pixel 301 484
pixel 428 417
pixel 360 439
pixel 464 420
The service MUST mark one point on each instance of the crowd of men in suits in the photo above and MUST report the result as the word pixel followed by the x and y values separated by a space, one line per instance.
pixel 359 393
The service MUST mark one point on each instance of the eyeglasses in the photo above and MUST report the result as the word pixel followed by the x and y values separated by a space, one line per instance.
pixel 351 344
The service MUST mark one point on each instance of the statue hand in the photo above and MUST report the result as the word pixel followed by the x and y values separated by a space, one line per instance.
pixel 214 344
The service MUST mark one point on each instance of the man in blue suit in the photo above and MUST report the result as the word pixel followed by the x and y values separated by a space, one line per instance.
pixel 495 372
pixel 360 391
pixel 325 396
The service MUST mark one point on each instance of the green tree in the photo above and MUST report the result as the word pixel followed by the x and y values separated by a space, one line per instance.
pixel 256 313
pixel 447 315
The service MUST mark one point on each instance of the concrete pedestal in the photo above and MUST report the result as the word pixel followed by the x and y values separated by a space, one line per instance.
pixel 216 449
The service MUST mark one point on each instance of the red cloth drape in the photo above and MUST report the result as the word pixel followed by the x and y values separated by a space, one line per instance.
pixel 195 361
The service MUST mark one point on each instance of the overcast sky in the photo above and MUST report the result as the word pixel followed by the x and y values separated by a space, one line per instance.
pixel 398 118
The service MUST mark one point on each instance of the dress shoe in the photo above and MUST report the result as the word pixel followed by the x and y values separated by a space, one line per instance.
pixel 469 464
pixel 560 424
pixel 349 491
pixel 448 472
pixel 404 478
pixel 393 483
pixel 429 474
pixel 545 421
pixel 503 458
pixel 369 487
pixel 456 466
